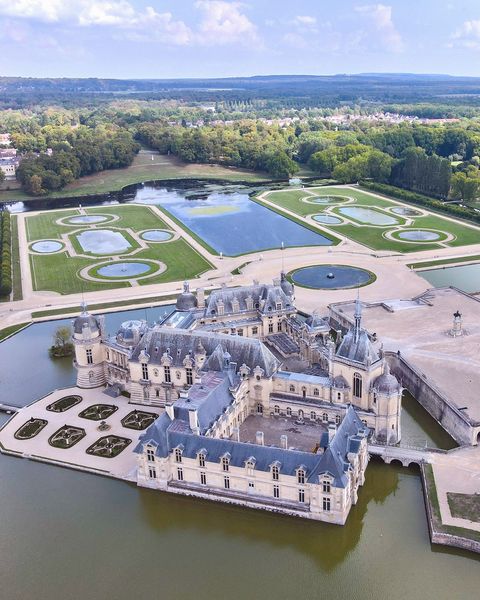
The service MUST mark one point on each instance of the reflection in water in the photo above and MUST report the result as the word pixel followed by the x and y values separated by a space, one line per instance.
pixel 464 277
pixel 420 429
pixel 327 545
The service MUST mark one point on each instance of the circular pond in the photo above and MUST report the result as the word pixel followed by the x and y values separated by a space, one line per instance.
pixel 118 270
pixel 46 246
pixel 156 235
pixel 419 235
pixel 328 277
pixel 327 219
pixel 406 212
pixel 87 219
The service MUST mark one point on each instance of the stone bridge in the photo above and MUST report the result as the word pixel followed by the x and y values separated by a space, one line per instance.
pixel 406 455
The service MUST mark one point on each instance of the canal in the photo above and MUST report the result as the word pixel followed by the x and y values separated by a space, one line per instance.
pixel 71 535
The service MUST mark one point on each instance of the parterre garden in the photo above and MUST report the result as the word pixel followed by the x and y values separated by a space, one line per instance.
pixel 374 221
pixel 107 247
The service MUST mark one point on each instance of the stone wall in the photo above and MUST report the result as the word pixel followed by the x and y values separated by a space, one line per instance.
pixel 454 421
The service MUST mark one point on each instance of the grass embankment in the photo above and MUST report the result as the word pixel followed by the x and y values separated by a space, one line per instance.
pixel 143 169
pixel 60 272
pixel 446 261
pixel 436 514
pixel 371 235
pixel 8 331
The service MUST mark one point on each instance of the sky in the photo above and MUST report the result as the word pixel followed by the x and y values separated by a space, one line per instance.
pixel 221 38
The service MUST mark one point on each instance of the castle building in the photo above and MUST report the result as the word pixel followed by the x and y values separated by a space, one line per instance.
pixel 246 353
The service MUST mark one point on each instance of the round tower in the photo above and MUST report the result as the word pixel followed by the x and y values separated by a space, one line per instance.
pixel 89 351
pixel 387 404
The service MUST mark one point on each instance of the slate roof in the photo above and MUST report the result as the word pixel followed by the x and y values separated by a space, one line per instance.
pixel 178 343
pixel 166 437
pixel 263 295
pixel 357 348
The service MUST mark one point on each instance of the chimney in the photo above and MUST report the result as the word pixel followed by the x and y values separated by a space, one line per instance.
pixel 169 410
pixel 201 298
pixel 260 438
pixel 284 441
pixel 193 420
pixel 332 430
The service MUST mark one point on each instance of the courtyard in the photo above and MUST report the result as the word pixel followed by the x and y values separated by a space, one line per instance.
pixel 300 436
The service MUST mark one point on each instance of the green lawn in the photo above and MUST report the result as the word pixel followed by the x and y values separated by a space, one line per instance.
pixel 464 506
pixel 369 235
pixel 8 331
pixel 445 261
pixel 60 272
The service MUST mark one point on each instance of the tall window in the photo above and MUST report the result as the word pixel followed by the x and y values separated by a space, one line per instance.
pixel 225 463
pixel 279 326
pixel 301 495
pixel 144 371
pixel 150 454
pixel 167 374
pixel 357 385
pixel 289 411
pixel 270 328
pixel 178 455
pixel 313 415
pixel 89 356
pixel 259 409
pixel 276 409
pixel 301 476
pixel 316 392
pixel 325 417
pixel 151 472
pixel 203 478
pixel 254 330
pixel 189 372
pixel 226 482
pixel 276 491
pixel 326 487
pixel 180 474
pixel 326 504
pixel 201 460
pixel 337 419
pixel 275 472
pixel 250 467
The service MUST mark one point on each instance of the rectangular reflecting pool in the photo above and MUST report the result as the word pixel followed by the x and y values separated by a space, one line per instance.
pixel 231 223
pixel 103 241
pixel 368 215
pixel 463 277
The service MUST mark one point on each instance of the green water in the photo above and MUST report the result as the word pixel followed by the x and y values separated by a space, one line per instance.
pixel 69 535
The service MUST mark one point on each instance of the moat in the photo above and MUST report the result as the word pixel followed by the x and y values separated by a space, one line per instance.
pixel 46 511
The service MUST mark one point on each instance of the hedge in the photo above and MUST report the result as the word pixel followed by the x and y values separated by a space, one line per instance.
pixel 5 254
pixel 414 198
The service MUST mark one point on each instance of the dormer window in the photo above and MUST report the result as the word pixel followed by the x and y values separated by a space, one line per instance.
pixel 326 486
pixel 150 454
pixel 275 472
pixel 225 463
pixel 201 459
pixel 250 466
pixel 178 455
pixel 279 306
pixel 167 374
pixel 144 371
pixel 301 476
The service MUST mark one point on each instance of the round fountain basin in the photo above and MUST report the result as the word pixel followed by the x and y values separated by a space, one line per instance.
pixel 46 246
pixel 156 235
pixel 327 199
pixel 327 219
pixel 124 269
pixel 419 235
pixel 324 277
pixel 87 219
pixel 406 212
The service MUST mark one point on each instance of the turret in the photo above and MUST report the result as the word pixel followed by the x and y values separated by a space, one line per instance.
pixel 89 358
pixel 387 405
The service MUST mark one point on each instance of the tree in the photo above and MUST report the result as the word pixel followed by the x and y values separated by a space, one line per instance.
pixel 62 342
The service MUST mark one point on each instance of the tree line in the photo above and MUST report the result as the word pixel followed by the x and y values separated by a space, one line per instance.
pixel 5 253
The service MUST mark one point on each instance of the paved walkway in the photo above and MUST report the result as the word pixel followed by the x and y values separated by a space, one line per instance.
pixel 457 471
pixel 122 466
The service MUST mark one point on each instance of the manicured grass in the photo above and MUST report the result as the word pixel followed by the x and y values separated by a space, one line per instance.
pixel 464 506
pixel 435 510
pixel 149 302
pixel 371 236
pixel 446 261
pixel 60 272
pixel 8 331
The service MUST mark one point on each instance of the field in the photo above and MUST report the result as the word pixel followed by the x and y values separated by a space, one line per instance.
pixel 61 271
pixel 376 237
pixel 143 169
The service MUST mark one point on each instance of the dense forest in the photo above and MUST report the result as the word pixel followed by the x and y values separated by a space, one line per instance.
pixel 428 142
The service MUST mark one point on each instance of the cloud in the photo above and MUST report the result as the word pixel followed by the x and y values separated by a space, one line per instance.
pixel 467 36
pixel 224 23
pixel 380 16
pixel 305 20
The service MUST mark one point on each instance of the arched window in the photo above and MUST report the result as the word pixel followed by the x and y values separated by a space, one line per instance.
pixel 275 472
pixel 301 476
pixel 225 463
pixel 276 409
pixel 357 385
pixel 289 411
pixel 325 417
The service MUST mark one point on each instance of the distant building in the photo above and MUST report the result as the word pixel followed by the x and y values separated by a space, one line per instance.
pixel 9 167
pixel 5 139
